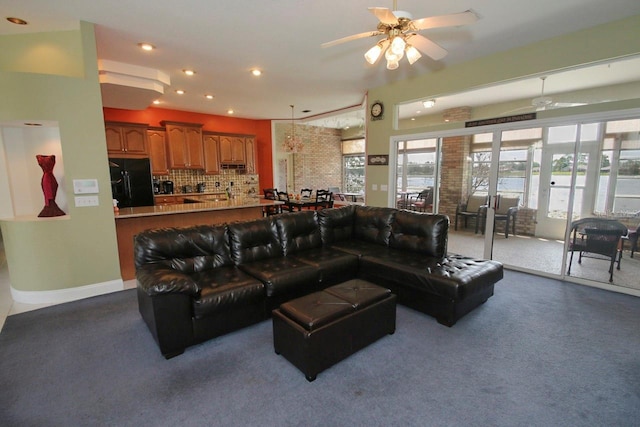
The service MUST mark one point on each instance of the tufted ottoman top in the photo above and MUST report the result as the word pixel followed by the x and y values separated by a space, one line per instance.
pixel 358 292
pixel 315 310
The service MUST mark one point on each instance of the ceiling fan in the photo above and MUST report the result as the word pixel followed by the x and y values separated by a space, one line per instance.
pixel 544 102
pixel 402 36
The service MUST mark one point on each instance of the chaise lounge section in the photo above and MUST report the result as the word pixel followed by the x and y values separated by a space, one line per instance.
pixel 200 282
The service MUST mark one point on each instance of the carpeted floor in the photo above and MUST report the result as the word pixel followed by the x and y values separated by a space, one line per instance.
pixel 538 353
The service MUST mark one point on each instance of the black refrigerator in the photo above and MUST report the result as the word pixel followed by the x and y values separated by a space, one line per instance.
pixel 131 182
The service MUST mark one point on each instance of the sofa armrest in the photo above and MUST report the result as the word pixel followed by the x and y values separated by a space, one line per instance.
pixel 156 279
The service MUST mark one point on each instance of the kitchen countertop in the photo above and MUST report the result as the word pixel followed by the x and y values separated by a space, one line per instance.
pixel 236 203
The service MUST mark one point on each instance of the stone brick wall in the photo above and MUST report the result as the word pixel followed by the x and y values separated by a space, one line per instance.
pixel 320 163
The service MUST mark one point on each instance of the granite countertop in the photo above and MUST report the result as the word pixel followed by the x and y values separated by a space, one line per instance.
pixel 235 203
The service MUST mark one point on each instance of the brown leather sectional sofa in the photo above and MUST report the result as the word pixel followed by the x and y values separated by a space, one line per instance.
pixel 201 282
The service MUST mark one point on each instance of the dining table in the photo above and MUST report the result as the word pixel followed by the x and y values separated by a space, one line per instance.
pixel 303 202
pixel 352 197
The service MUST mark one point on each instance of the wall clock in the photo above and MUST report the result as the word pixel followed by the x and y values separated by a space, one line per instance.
pixel 377 110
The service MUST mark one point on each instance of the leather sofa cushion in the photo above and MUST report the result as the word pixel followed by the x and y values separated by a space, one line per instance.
pixel 357 247
pixel 315 310
pixel 332 264
pixel 188 250
pixel 225 288
pixel 283 274
pixel 336 224
pixel 359 293
pixel 420 232
pixel 453 277
pixel 254 240
pixel 373 224
pixel 299 231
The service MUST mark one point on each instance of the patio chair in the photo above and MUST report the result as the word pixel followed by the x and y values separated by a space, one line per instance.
pixel 474 208
pixel 633 239
pixel 423 201
pixel 507 211
pixel 593 237
pixel 324 199
pixel 336 194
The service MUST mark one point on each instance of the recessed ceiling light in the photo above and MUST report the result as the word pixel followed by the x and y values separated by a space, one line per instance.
pixel 17 21
pixel 429 103
pixel 230 111
pixel 256 72
pixel 180 92
pixel 146 46
pixel 156 102
pixel 413 119
pixel 188 72
pixel 209 96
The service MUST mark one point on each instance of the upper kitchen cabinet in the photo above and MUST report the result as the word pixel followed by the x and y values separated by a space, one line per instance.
pixel 251 155
pixel 184 145
pixel 211 145
pixel 232 150
pixel 126 139
pixel 158 152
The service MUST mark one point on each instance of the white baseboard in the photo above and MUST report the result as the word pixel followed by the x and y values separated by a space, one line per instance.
pixel 59 296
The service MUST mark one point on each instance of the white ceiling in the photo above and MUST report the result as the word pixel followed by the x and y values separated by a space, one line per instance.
pixel 222 41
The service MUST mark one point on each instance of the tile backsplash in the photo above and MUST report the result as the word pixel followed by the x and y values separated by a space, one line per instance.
pixel 243 184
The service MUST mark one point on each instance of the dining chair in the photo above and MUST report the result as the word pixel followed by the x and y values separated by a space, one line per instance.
pixel 324 199
pixel 270 194
pixel 283 196
pixel 306 193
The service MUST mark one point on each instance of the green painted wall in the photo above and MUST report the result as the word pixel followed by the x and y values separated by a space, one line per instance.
pixel 616 39
pixel 78 249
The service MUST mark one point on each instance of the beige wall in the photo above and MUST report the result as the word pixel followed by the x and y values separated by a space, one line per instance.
pixel 608 41
pixel 79 249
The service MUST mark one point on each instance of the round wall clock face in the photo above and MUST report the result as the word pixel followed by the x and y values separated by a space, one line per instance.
pixel 377 110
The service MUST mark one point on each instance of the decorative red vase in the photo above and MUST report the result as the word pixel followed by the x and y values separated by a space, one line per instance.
pixel 49 186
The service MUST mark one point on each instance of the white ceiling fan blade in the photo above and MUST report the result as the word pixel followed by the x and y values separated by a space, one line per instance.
pixel 384 15
pixel 426 46
pixel 452 20
pixel 352 37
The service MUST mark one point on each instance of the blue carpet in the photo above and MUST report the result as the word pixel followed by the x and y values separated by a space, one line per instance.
pixel 539 353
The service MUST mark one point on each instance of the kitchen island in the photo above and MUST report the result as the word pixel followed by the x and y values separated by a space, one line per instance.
pixel 131 221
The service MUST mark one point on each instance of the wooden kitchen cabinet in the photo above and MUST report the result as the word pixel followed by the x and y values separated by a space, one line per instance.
pixel 158 152
pixel 232 150
pixel 251 154
pixel 126 139
pixel 184 145
pixel 211 147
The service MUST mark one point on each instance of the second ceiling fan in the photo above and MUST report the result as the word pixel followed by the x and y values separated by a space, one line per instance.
pixel 402 35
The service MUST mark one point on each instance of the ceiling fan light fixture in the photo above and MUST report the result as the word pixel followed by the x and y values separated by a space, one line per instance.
pixel 392 64
pixel 412 54
pixel 373 54
pixel 397 46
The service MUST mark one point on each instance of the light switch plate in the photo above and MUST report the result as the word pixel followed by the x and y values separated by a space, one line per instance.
pixel 374 187
pixel 84 186
pixel 84 201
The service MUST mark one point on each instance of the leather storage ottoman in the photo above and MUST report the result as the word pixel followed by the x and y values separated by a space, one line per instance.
pixel 318 330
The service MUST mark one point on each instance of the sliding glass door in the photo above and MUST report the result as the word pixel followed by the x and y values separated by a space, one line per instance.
pixel 532 183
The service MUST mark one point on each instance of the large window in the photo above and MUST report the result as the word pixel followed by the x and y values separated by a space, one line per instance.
pixel 517 166
pixel 416 167
pixel 619 184
pixel 353 166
